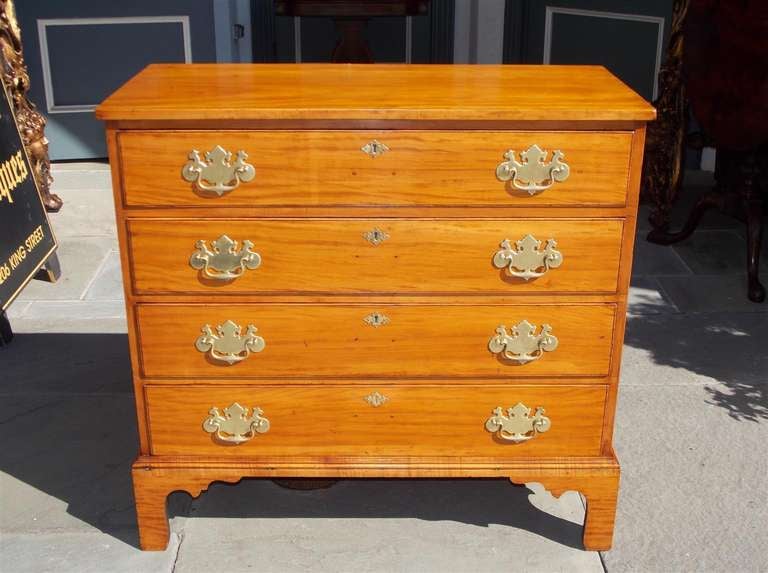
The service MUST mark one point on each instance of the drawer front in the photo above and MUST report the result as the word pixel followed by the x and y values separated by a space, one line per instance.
pixel 345 420
pixel 378 340
pixel 306 168
pixel 375 256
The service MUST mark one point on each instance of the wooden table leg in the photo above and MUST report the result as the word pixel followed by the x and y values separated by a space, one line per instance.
pixel 600 487
pixel 755 290
pixel 150 491
pixel 601 494
pixel 736 195
pixel 753 217
pixel 151 487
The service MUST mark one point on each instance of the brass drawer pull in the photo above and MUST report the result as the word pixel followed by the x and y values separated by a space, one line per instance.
pixel 525 260
pixel 532 174
pixel 517 425
pixel 217 174
pixel 224 261
pixel 236 425
pixel 523 345
pixel 228 344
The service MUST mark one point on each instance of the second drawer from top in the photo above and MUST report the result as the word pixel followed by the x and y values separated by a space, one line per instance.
pixel 367 256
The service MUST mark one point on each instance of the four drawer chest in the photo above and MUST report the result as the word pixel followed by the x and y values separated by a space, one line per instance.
pixel 375 271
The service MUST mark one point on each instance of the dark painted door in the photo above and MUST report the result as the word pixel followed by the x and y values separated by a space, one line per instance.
pixel 425 37
pixel 79 51
pixel 626 36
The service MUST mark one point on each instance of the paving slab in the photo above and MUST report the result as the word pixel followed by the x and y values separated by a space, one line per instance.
pixel 75 454
pixel 86 213
pixel 66 363
pixel 90 176
pixel 80 258
pixel 82 553
pixel 715 252
pixel 74 325
pixel 66 462
pixel 697 293
pixel 385 525
pixel 71 316
pixel 74 317
pixel 17 308
pixel 656 260
pixel 108 282
pixel 60 167
pixel 694 491
pixel 647 297
pixel 701 349
pixel 72 311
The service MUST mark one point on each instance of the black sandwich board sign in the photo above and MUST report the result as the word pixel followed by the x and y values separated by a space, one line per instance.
pixel 26 240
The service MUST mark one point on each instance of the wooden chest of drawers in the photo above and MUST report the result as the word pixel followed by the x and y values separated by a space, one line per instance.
pixel 391 271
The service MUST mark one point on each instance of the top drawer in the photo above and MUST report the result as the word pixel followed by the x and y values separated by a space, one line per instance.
pixel 374 168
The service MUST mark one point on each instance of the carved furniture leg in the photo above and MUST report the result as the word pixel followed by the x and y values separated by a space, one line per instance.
pixel 737 195
pixel 602 495
pixel 151 487
pixel 600 487
pixel 754 215
pixel 596 479
pixel 150 490
pixel 713 199
pixel 752 207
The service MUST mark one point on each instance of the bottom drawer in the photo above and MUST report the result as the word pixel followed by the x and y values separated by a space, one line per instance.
pixel 380 420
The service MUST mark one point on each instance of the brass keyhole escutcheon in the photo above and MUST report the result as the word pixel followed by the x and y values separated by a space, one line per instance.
pixel 375 236
pixel 374 148
pixel 376 319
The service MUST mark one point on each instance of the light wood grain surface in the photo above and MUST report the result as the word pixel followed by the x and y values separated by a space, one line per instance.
pixel 382 92
pixel 436 195
pixel 333 256
pixel 416 420
pixel 305 340
pixel 316 168
pixel 154 477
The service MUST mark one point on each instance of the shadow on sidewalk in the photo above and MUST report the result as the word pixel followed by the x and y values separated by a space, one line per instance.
pixel 69 430
pixel 731 348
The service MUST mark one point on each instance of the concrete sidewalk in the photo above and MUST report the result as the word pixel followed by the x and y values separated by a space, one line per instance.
pixel 692 436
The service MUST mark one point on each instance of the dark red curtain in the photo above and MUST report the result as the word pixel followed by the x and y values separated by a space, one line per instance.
pixel 725 65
